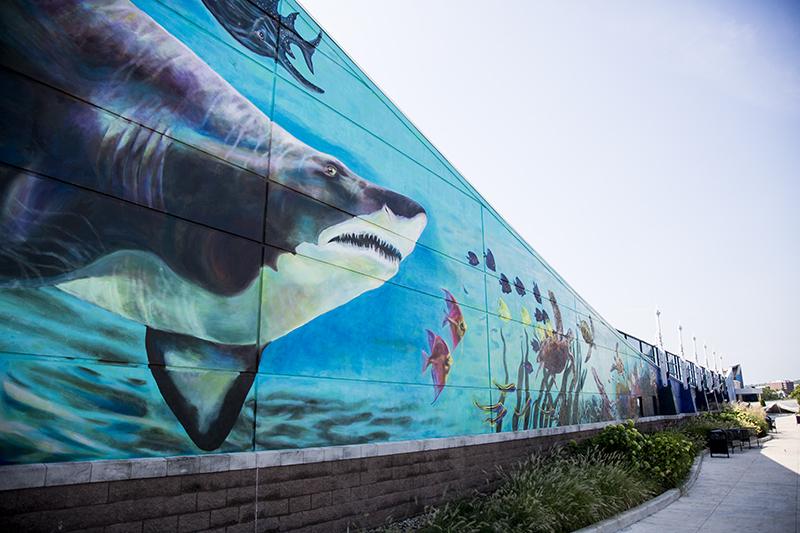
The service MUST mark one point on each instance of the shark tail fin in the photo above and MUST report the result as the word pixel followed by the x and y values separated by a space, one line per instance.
pixel 206 402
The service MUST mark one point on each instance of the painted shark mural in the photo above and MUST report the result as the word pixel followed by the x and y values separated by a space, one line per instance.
pixel 218 235
pixel 190 292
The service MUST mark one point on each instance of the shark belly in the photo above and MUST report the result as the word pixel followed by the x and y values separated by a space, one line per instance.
pixel 141 287
pixel 303 288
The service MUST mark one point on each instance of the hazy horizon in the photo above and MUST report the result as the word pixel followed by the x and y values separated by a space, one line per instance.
pixel 661 140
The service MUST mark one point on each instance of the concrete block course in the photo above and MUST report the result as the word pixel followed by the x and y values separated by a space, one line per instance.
pixel 22 476
pixel 68 473
pixel 319 489
pixel 110 470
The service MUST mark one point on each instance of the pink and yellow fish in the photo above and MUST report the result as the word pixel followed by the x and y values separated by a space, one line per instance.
pixel 439 360
pixel 454 317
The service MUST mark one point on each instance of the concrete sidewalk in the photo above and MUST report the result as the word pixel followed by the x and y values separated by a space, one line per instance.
pixel 755 490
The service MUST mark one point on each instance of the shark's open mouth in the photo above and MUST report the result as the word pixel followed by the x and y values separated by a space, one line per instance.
pixel 371 242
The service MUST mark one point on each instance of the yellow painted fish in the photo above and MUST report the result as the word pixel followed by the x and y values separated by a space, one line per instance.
pixel 493 408
pixel 503 310
pixel 508 387
pixel 503 412
pixel 526 317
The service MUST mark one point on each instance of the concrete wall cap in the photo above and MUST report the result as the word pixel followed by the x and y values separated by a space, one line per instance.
pixel 39 474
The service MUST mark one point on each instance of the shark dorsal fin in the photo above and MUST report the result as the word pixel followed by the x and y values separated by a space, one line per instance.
pixel 206 402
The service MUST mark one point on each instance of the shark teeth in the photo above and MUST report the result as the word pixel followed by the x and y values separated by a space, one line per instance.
pixel 370 241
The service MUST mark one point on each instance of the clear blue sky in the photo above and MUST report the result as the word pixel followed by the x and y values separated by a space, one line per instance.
pixel 662 140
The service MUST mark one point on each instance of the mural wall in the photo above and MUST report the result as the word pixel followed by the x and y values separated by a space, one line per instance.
pixel 219 235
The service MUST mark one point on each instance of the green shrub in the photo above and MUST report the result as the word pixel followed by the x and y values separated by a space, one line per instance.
pixel 623 439
pixel 667 457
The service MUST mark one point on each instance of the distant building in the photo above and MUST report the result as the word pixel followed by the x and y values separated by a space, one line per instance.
pixel 748 394
pixel 742 392
pixel 786 386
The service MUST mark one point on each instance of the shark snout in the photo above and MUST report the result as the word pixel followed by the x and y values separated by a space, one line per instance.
pixel 399 205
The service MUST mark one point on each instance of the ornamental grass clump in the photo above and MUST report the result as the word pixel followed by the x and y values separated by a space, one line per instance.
pixel 752 417
pixel 554 492
pixel 698 428
pixel 569 488
pixel 740 415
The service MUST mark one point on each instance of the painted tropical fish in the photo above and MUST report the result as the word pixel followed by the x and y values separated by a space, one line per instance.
pixel 198 292
pixel 493 408
pixel 536 293
pixel 541 315
pixel 473 258
pixel 519 286
pixel 505 285
pixel 259 27
pixel 526 316
pixel 455 318
pixel 500 415
pixel 503 310
pixel 490 260
pixel 498 409
pixel 505 387
pixel 439 360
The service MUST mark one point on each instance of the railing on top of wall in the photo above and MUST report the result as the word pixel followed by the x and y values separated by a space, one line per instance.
pixel 675 365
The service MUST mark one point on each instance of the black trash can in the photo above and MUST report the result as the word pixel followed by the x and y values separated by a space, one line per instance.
pixel 718 442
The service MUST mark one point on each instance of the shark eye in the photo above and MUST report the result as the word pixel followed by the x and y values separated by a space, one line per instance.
pixel 261 34
pixel 331 170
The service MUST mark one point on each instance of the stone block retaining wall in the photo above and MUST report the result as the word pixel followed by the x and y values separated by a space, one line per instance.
pixel 316 489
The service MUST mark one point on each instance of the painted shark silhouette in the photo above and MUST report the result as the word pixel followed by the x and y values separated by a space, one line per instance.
pixel 257 25
pixel 95 94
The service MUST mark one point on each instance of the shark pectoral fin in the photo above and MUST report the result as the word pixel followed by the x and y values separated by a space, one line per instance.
pixel 204 383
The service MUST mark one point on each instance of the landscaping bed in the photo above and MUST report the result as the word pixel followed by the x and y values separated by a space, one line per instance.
pixel 580 484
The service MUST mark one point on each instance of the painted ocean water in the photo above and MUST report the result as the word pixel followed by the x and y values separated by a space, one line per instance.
pixel 74 377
